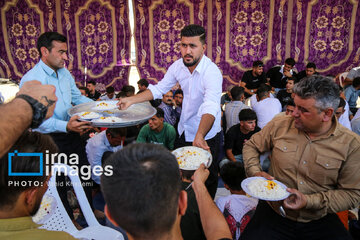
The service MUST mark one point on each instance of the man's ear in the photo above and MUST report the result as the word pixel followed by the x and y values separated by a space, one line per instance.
pixel 182 202
pixel 44 51
pixel 30 196
pixel 108 215
pixel 328 114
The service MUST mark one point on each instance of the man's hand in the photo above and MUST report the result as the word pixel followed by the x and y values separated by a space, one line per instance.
pixel 75 126
pixel 287 74
pixel 265 175
pixel 201 174
pixel 124 103
pixel 44 94
pixel 200 142
pixel 297 200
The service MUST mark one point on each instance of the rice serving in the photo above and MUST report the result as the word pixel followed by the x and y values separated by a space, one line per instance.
pixel 190 158
pixel 266 189
pixel 105 106
pixel 88 115
pixel 108 120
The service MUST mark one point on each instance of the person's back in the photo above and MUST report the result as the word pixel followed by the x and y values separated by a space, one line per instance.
pixel 237 208
pixel 233 108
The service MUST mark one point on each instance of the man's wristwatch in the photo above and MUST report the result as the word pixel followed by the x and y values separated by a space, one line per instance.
pixel 39 110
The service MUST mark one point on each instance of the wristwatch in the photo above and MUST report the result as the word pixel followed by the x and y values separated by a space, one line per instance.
pixel 39 110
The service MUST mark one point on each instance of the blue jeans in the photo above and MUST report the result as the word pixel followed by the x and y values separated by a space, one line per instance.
pixel 265 164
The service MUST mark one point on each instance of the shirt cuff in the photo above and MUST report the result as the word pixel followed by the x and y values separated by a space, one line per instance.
pixel 313 201
pixel 251 171
pixel 61 126
pixel 155 91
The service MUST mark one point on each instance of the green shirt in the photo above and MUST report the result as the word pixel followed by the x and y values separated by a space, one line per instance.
pixel 165 137
pixel 25 228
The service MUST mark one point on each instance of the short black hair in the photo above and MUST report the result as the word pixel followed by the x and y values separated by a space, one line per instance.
pixel 110 89
pixel 236 93
pixel 290 61
pixel 29 142
pixel 87 92
pixel 143 82
pixel 159 113
pixel 128 89
pixel 292 78
pixel 258 63
pixel 342 103
pixel 179 91
pixel 92 82
pixel 45 40
pixel 114 132
pixel 142 194
pixel 356 82
pixel 233 173
pixel 194 30
pixel 247 114
pixel 311 65
pixel 290 102
pixel 121 94
pixel 262 91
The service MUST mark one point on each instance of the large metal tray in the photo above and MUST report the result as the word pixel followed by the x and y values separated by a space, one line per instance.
pixel 134 115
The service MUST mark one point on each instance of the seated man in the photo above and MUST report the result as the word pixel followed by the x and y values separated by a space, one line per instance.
pixel 94 95
pixel 285 95
pixel 84 91
pixel 128 90
pixel 354 73
pixel 157 131
pixel 142 85
pixel 110 94
pixel 341 116
pixel 289 109
pixel 18 203
pixel 252 79
pixel 144 195
pixel 110 140
pixel 237 208
pixel 233 108
pixel 238 134
pixel 178 97
pixel 278 75
pixel 266 108
pixel 352 94
pixel 168 105
pixel 190 224
pixel 310 69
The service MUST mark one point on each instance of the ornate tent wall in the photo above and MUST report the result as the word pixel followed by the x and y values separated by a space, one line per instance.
pixel 239 32
pixel 98 34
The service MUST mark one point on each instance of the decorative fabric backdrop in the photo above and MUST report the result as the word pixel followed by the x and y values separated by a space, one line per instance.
pixel 242 31
pixel 98 35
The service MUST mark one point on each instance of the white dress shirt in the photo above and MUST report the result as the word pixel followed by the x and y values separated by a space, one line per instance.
pixel 266 109
pixel 202 93
pixel 344 118
pixel 95 149
pixel 253 99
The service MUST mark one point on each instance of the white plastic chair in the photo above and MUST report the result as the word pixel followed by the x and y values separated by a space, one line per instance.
pixel 341 78
pixel 60 220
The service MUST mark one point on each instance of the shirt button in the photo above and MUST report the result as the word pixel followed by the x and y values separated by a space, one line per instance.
pixel 327 165
pixel 301 182
pixel 285 148
pixel 304 162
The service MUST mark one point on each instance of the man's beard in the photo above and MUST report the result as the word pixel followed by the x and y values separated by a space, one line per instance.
pixel 195 61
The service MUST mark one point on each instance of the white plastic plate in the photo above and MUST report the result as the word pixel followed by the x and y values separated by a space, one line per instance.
pixel 245 183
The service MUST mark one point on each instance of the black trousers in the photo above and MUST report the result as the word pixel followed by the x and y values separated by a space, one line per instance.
pixel 69 143
pixel 267 224
pixel 214 144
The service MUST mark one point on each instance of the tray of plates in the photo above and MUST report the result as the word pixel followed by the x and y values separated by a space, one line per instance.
pixel 107 114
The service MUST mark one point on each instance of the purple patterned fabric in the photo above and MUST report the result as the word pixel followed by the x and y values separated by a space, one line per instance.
pixel 98 36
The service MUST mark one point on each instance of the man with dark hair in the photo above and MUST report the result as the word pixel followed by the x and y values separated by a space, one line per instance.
pixel 110 140
pixel 65 131
pixel 128 90
pixel 352 94
pixel 233 108
pixel 266 107
pixel 316 158
pixel 252 79
pixel 157 131
pixel 110 94
pixel 168 105
pixel 353 73
pixel 238 134
pixel 237 208
pixel 94 94
pixel 84 91
pixel 178 97
pixel 144 195
pixel 19 201
pixel 310 69
pixel 290 107
pixel 278 75
pixel 285 95
pixel 142 84
pixel 201 81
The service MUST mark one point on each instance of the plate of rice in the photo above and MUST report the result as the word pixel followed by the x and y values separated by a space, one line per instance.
pixel 107 120
pixel 88 115
pixel 105 105
pixel 190 158
pixel 264 189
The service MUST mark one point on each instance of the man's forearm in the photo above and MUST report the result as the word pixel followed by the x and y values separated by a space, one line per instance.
pixel 230 155
pixel 15 118
pixel 206 122
pixel 142 97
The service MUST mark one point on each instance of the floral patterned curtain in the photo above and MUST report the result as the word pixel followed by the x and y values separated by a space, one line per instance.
pixel 242 31
pixel 97 32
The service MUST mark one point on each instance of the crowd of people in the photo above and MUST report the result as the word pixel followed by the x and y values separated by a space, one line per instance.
pixel 298 128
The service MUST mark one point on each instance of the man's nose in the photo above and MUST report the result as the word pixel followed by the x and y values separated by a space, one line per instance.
pixel 65 57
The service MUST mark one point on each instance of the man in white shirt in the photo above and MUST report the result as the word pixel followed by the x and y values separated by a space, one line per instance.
pixel 111 140
pixel 201 81
pixel 266 108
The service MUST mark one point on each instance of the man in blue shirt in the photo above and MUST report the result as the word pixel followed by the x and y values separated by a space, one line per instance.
pixel 352 93
pixel 65 131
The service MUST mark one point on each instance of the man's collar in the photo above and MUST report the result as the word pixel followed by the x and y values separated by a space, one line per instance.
pixel 16 224
pixel 46 68
pixel 200 67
